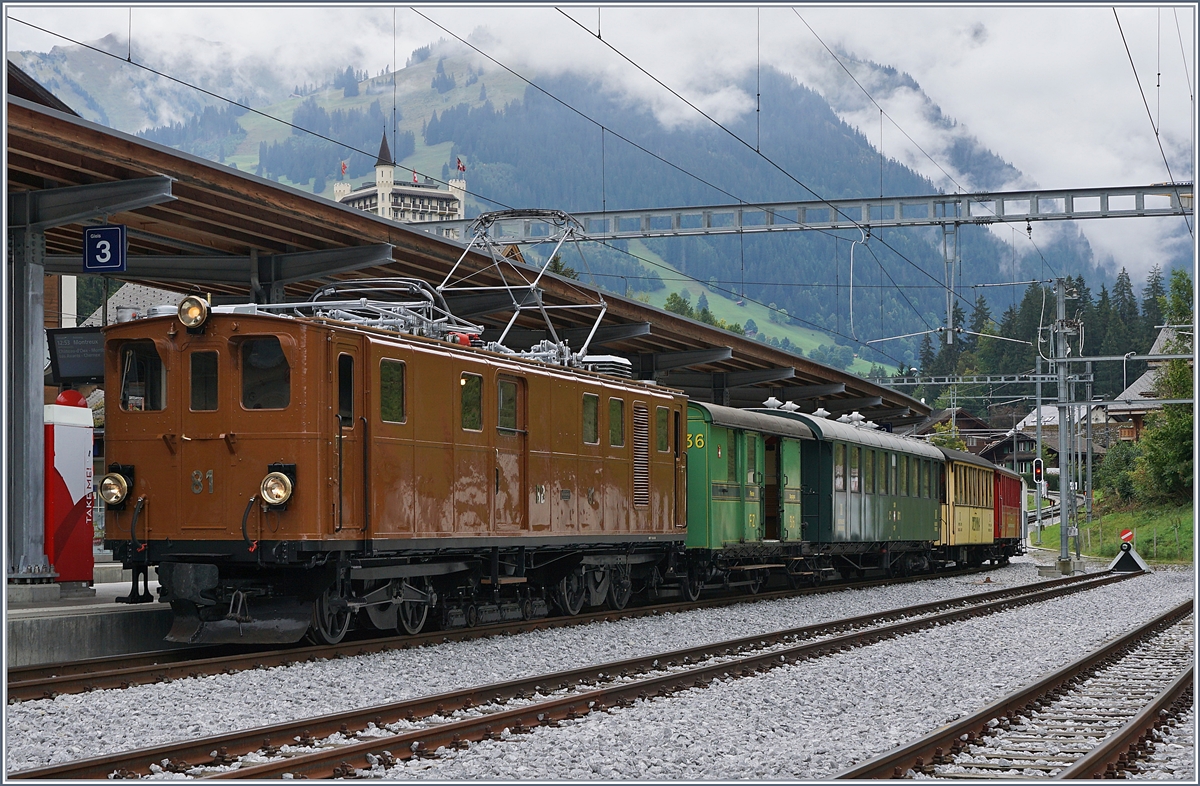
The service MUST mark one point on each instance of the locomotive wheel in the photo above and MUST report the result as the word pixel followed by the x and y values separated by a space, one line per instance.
pixel 411 616
pixel 328 626
pixel 620 589
pixel 570 593
pixel 692 584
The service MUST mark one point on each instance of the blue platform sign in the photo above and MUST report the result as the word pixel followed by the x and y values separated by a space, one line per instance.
pixel 104 249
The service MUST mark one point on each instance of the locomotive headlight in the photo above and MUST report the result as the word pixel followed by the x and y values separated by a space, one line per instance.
pixel 276 488
pixel 114 488
pixel 193 311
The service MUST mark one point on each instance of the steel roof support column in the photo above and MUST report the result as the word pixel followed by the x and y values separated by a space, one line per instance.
pixel 24 457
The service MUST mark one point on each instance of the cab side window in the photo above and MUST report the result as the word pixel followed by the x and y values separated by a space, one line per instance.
pixel 591 418
pixel 143 378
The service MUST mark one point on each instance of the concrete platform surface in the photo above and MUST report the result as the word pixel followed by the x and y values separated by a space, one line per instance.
pixel 85 627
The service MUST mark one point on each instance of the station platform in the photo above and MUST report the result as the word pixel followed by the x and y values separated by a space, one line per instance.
pixel 74 628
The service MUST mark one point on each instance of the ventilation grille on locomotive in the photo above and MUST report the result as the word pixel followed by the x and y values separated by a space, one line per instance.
pixel 609 364
pixel 641 455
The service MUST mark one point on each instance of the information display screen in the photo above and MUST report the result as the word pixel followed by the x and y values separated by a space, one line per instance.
pixel 76 354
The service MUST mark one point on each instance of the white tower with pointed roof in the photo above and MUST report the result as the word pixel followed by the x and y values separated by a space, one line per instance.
pixel 385 178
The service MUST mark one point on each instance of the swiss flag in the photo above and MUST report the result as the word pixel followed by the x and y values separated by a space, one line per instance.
pixel 461 166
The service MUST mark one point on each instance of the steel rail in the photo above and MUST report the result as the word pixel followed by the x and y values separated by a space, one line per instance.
pixel 894 763
pixel 123 671
pixel 229 746
pixel 1115 752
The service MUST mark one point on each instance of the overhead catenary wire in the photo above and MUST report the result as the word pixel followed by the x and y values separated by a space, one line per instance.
pixel 1150 115
pixel 899 128
pixel 836 210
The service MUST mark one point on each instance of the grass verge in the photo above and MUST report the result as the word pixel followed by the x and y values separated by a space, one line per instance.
pixel 1161 534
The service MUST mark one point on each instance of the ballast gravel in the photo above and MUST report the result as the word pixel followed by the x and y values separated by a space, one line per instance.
pixel 1174 756
pixel 800 726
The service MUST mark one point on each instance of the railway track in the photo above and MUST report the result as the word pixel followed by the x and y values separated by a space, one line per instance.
pixel 339 745
pixel 123 671
pixel 1092 719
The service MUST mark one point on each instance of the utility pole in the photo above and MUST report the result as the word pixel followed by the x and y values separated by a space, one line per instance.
pixel 1037 491
pixel 1087 500
pixel 1064 474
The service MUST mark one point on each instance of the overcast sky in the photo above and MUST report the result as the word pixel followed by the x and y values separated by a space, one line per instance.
pixel 1050 90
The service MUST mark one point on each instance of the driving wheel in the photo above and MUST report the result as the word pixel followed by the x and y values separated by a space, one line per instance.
pixel 329 625
pixel 570 593
pixel 620 589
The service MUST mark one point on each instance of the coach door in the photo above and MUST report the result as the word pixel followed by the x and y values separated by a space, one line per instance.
pixel 510 499
pixel 791 513
pixel 350 439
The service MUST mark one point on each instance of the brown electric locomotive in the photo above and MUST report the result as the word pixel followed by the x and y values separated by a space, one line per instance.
pixel 287 473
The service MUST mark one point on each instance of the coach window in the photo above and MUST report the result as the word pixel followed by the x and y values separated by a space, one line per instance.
pixel 869 471
pixel 661 418
pixel 204 381
pixel 391 391
pixel 854 479
pixel 472 401
pixel 731 472
pixel 143 378
pixel 839 467
pixel 903 488
pixel 914 476
pixel 506 404
pixel 881 469
pixel 591 418
pixel 616 423
pixel 266 375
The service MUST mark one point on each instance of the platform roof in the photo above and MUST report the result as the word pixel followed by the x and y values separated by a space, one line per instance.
pixel 220 212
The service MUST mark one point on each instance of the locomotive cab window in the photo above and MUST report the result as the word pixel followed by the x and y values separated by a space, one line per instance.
pixel 506 405
pixel 616 423
pixel 391 391
pixel 266 375
pixel 346 390
pixel 472 402
pixel 661 419
pixel 143 378
pixel 591 418
pixel 204 381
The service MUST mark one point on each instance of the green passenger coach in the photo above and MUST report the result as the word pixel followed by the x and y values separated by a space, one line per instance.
pixel 744 492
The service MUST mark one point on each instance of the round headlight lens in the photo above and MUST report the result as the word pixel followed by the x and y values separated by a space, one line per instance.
pixel 276 488
pixel 193 311
pixel 114 488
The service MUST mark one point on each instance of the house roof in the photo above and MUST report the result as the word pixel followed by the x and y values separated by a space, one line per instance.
pixel 964 420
